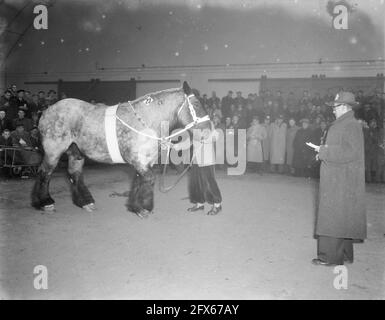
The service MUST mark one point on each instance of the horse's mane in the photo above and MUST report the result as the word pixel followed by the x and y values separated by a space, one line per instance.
pixel 155 93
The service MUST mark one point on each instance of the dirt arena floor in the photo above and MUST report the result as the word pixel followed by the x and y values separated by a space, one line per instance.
pixel 259 247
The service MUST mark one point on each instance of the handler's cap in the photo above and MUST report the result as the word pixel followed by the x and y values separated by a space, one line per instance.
pixel 343 97
pixel 304 120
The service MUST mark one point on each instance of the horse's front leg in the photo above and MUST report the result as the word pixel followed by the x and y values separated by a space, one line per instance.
pixel 141 196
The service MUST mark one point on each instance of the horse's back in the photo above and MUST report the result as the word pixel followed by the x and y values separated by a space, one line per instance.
pixel 76 121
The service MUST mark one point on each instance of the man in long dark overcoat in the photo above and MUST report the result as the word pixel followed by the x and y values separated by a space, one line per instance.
pixel 341 218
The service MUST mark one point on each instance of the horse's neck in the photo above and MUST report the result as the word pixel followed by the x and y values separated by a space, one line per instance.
pixel 158 116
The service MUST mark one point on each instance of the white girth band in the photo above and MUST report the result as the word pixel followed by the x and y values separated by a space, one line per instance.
pixel 111 137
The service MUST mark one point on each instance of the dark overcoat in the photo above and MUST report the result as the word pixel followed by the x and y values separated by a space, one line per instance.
pixel 342 212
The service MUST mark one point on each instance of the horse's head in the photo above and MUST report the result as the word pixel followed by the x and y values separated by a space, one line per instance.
pixel 191 112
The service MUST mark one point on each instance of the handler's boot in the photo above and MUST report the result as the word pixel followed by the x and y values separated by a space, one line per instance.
pixel 196 207
pixel 215 210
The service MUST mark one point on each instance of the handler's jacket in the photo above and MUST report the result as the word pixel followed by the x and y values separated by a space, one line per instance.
pixel 342 212
pixel 204 147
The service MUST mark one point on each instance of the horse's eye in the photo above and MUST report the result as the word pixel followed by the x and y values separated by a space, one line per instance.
pixel 160 102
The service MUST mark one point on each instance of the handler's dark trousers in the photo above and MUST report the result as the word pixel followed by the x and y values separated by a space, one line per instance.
pixel 203 186
pixel 334 250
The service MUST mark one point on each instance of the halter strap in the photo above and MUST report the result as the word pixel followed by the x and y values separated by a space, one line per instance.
pixel 195 121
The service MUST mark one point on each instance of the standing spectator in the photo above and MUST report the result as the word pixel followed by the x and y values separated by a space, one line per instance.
pixel 217 112
pixel 278 144
pixel 9 104
pixel 5 100
pixel 239 100
pixel 232 111
pixel 33 106
pixel 255 135
pixel 27 96
pixel 317 100
pixel 305 99
pixel 266 142
pixel 21 119
pixel 241 114
pixel 372 144
pixel 367 113
pixel 341 217
pixel 276 110
pixel 378 106
pixel 4 122
pixel 268 99
pixel 303 154
pixel 279 99
pixel 302 113
pixel 214 99
pixel 258 106
pixel 250 113
pixel 42 101
pixel 329 96
pixel 13 90
pixel 292 103
pixel 290 135
pixel 360 97
pixel 227 101
pixel 205 100
pixel 21 102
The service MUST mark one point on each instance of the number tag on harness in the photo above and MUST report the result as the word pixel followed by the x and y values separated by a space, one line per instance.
pixel 148 100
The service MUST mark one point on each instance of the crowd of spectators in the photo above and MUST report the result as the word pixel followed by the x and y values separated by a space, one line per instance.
pixel 278 127
pixel 19 116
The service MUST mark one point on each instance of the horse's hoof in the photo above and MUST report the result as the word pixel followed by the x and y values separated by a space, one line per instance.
pixel 143 214
pixel 49 208
pixel 90 207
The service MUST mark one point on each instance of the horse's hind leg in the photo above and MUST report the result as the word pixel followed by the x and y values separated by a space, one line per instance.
pixel 41 198
pixel 141 197
pixel 81 196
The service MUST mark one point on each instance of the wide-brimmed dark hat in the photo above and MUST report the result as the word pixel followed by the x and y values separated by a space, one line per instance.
pixel 344 97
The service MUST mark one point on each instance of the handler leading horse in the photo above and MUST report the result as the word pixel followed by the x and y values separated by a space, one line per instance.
pixel 126 133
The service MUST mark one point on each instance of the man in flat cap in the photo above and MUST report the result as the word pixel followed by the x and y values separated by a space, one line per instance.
pixel 341 218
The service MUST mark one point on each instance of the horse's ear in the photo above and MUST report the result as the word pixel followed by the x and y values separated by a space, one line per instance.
pixel 186 88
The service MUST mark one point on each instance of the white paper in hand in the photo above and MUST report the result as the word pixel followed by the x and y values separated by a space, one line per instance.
pixel 312 145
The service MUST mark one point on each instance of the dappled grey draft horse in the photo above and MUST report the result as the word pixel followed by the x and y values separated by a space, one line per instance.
pixel 129 132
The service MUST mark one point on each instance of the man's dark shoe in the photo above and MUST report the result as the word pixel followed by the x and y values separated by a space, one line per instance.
pixel 214 210
pixel 319 262
pixel 195 208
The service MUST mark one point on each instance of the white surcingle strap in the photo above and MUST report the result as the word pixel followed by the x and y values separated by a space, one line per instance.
pixel 111 136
